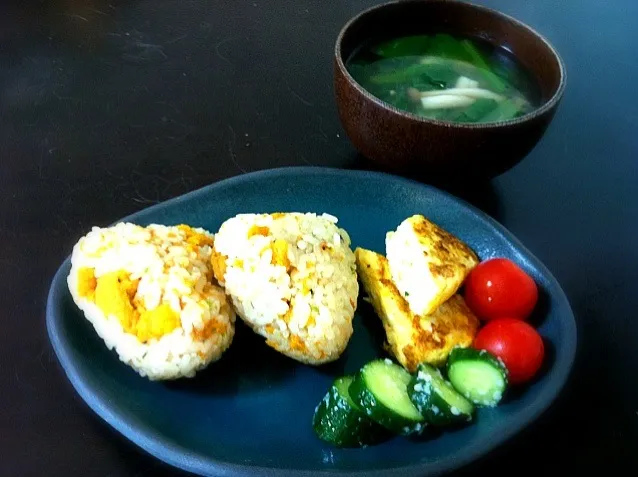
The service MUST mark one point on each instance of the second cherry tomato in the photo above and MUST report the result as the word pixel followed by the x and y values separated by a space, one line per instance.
pixel 498 288
pixel 517 343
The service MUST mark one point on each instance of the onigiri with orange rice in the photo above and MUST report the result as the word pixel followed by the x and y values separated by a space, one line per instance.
pixel 148 293
pixel 292 278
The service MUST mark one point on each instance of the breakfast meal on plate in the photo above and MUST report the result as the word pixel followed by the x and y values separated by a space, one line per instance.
pixel 448 366
pixel 292 278
pixel 446 77
pixel 166 297
pixel 147 291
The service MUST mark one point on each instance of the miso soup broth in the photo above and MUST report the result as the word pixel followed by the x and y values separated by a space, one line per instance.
pixel 446 78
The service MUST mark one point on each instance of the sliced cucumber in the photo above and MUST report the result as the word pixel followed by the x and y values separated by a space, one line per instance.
pixel 478 375
pixel 339 421
pixel 380 388
pixel 436 399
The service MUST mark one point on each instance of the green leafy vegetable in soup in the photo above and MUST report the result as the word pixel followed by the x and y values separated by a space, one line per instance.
pixel 445 77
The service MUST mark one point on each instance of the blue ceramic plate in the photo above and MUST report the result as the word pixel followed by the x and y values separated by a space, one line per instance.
pixel 250 413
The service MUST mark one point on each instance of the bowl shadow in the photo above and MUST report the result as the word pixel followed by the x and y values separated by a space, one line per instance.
pixel 480 193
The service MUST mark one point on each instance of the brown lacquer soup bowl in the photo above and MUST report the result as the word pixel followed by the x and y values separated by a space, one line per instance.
pixel 400 141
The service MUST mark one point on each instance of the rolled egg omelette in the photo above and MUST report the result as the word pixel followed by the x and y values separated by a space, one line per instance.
pixel 292 278
pixel 147 291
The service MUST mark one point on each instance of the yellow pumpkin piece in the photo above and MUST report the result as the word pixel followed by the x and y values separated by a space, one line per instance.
pixel 86 283
pixel 157 322
pixel 288 315
pixel 128 285
pixel 112 297
pixel 194 238
pixel 280 253
pixel 296 343
pixel 218 262
pixel 258 230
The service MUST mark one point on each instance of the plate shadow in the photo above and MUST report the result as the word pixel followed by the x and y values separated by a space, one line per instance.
pixel 479 193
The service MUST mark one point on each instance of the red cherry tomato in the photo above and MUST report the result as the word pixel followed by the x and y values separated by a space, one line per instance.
pixel 517 343
pixel 498 288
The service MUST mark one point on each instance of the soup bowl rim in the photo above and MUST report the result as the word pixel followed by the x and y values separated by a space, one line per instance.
pixel 546 106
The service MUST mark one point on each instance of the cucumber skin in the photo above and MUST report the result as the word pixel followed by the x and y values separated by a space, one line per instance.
pixel 381 414
pixel 345 426
pixel 472 354
pixel 428 400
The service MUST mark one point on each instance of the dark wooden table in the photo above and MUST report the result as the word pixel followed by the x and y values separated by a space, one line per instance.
pixel 108 106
